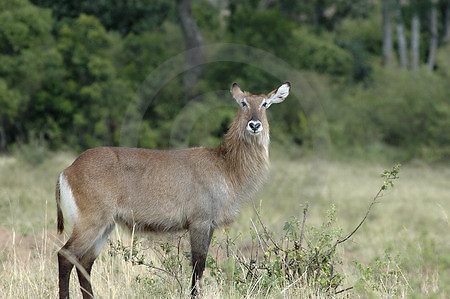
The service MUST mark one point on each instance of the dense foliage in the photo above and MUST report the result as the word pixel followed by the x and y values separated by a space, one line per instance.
pixel 69 71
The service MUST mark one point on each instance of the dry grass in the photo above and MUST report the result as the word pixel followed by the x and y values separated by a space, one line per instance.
pixel 411 221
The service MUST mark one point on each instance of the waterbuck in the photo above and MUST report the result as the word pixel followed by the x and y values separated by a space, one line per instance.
pixel 195 189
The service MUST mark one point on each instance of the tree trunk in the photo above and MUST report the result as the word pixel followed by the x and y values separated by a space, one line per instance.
pixel 415 40
pixel 2 138
pixel 401 39
pixel 387 33
pixel 434 36
pixel 193 39
pixel 447 22
pixel 265 4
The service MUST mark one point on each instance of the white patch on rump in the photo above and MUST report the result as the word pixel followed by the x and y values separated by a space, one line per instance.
pixel 67 201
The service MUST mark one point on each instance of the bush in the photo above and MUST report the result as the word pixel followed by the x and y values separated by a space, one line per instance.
pixel 382 277
pixel 399 111
pixel 34 153
pixel 316 53
pixel 363 31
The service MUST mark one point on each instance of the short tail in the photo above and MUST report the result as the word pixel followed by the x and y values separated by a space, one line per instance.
pixel 60 217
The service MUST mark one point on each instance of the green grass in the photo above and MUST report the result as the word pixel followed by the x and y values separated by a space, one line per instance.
pixel 410 222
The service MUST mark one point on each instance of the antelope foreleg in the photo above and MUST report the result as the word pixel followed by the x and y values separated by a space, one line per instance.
pixel 200 236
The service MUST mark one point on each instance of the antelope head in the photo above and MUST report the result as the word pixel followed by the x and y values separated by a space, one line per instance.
pixel 252 120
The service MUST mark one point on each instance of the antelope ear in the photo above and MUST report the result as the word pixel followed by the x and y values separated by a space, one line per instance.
pixel 278 95
pixel 237 93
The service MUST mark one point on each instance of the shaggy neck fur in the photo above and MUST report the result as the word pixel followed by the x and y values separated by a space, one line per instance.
pixel 246 158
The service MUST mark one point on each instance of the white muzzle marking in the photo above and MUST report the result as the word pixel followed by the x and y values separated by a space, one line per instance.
pixel 254 127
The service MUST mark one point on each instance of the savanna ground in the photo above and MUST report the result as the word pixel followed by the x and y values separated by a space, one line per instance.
pixel 405 239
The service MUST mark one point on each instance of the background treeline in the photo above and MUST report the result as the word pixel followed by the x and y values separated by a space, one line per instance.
pixel 70 69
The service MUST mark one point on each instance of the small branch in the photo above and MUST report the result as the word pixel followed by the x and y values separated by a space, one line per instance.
pixel 179 243
pixel 362 221
pixel 227 243
pixel 166 272
pixel 244 264
pixel 257 235
pixel 305 210
pixel 137 260
pixel 266 232
pixel 343 290
pixel 390 176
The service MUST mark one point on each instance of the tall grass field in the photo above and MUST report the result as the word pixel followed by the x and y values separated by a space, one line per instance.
pixel 401 250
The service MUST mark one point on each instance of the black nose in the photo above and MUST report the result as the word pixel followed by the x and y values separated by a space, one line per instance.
pixel 254 126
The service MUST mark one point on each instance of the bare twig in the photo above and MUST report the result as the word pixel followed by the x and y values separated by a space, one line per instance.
pixel 257 235
pixel 343 290
pixel 167 273
pixel 180 237
pixel 227 243
pixel 305 211
pixel 266 232
pixel 390 176
pixel 361 222
pixel 135 260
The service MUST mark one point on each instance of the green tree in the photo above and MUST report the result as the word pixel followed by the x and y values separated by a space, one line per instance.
pixel 124 16
pixel 324 14
pixel 29 66
pixel 93 85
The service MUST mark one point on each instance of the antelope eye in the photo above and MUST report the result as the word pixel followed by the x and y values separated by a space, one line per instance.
pixel 244 104
pixel 264 104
